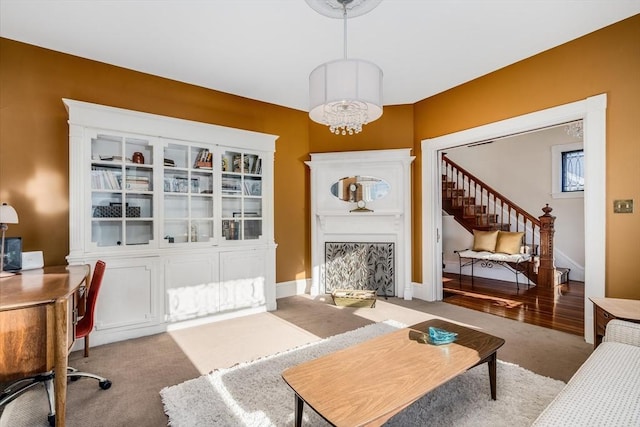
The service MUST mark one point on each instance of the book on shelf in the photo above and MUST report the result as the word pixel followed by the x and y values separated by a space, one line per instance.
pixel 110 158
pixel 203 159
pixel 137 183
pixel 252 188
pixel 137 186
pixel 231 185
pixel 102 179
pixel 169 162
pixel 237 162
pixel 252 163
pixel 137 178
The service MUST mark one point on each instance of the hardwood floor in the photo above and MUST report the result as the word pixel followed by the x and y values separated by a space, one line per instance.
pixel 560 308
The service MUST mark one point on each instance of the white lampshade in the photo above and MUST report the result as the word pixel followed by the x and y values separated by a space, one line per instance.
pixel 8 214
pixel 345 94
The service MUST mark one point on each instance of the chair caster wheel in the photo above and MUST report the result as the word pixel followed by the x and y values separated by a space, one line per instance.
pixel 105 385
pixel 52 420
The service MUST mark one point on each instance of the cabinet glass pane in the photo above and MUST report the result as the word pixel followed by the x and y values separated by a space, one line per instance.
pixel 252 164
pixel 231 207
pixel 231 229
pixel 176 231
pixel 252 186
pixel 176 156
pixel 138 205
pixel 201 207
pixel 175 207
pixel 201 158
pixel 122 190
pixel 252 207
pixel 201 231
pixel 138 151
pixel 231 161
pixel 106 148
pixel 106 177
pixel 176 181
pixel 138 178
pixel 106 204
pixel 139 232
pixel 188 193
pixel 106 232
pixel 252 229
pixel 201 183
pixel 241 187
pixel 231 184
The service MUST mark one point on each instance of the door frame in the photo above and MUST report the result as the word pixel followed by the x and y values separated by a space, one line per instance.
pixel 592 111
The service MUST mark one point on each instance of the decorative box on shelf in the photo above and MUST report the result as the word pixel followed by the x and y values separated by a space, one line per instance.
pixel 354 297
pixel 115 211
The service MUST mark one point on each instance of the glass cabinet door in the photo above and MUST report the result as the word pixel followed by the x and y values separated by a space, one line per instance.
pixel 241 187
pixel 121 191
pixel 188 194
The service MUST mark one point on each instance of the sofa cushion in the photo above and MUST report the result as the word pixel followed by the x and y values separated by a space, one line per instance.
pixel 605 391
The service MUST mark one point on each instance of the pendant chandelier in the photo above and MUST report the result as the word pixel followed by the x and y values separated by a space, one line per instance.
pixel 345 94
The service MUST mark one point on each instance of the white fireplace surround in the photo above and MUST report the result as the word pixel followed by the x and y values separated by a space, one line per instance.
pixel 334 220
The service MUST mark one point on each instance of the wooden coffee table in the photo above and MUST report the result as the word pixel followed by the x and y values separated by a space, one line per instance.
pixel 368 383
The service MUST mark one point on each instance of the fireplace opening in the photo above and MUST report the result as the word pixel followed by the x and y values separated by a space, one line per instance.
pixel 359 265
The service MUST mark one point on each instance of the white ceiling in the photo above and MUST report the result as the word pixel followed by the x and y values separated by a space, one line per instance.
pixel 265 49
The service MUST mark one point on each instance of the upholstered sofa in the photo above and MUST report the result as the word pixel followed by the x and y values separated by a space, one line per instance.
pixel 605 391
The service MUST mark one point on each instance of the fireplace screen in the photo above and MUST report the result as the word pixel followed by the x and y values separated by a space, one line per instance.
pixel 350 265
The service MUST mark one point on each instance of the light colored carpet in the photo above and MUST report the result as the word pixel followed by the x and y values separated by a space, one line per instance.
pixel 254 394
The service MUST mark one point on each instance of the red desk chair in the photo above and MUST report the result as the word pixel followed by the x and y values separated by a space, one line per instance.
pixel 85 324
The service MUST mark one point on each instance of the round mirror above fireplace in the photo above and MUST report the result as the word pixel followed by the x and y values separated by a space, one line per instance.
pixel 360 188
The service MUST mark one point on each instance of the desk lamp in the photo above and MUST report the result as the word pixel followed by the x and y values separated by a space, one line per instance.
pixel 8 215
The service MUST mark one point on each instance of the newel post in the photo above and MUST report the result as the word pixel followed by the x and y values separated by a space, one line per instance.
pixel 546 270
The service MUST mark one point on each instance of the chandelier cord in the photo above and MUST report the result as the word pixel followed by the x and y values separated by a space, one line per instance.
pixel 344 17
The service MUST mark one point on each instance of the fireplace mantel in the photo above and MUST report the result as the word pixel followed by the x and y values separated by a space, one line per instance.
pixel 389 218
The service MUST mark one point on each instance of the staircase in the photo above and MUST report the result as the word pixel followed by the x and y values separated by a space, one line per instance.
pixel 475 205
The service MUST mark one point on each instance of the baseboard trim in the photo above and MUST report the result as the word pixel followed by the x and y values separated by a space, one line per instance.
pixel 303 286
pixel 292 288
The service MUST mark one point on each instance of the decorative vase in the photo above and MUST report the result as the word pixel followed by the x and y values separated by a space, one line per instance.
pixel 138 157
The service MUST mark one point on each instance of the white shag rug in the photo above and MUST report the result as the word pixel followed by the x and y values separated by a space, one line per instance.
pixel 254 394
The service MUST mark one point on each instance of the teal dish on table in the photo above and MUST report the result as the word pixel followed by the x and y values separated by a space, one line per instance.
pixel 439 336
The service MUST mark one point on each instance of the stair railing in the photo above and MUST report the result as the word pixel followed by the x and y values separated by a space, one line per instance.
pixel 499 207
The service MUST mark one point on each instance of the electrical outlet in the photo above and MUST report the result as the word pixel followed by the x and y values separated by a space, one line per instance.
pixel 623 206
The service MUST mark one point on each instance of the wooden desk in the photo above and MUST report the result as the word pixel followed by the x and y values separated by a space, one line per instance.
pixel 606 309
pixel 37 324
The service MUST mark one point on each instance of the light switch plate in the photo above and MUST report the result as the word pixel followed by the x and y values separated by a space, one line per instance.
pixel 623 206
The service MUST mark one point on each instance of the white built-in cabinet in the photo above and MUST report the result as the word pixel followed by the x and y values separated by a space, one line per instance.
pixel 181 212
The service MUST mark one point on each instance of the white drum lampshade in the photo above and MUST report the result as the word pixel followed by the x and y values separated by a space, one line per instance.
pixel 345 94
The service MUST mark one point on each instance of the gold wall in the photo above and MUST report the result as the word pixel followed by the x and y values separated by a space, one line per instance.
pixel 606 61
pixel 34 135
pixel 34 153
